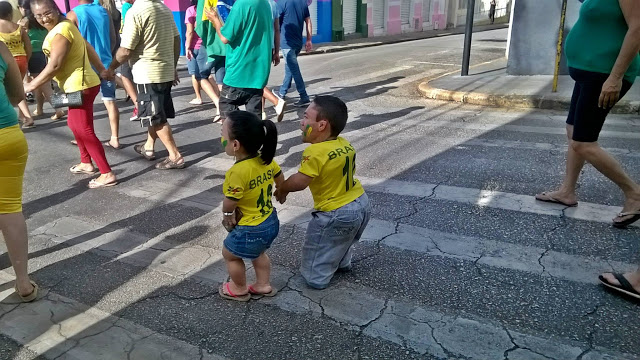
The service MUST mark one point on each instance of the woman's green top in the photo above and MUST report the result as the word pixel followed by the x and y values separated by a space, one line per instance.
pixel 594 42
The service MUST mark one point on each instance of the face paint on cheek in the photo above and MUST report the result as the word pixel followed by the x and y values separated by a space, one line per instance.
pixel 307 130
pixel 223 141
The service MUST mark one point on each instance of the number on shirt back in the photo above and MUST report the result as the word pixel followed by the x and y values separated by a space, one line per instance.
pixel 264 202
pixel 348 170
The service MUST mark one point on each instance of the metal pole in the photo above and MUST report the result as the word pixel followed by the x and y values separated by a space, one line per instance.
pixel 559 48
pixel 468 31
pixel 67 5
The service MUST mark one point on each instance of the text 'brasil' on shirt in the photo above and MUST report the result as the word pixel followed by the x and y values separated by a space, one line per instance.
pixel 250 182
pixel 332 165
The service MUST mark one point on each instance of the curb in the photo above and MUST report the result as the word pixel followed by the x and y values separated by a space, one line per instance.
pixel 515 101
pixel 356 46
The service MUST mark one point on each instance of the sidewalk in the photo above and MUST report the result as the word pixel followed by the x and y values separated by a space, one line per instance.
pixel 359 43
pixel 489 85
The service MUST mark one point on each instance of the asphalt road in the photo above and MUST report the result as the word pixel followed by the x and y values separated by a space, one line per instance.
pixel 458 262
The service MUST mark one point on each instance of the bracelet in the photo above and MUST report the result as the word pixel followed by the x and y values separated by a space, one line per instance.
pixel 228 213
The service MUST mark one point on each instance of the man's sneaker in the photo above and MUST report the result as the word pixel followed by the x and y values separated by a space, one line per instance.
pixel 134 117
pixel 302 103
pixel 280 108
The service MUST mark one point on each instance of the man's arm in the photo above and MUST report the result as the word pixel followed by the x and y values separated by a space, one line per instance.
pixel 112 35
pixel 212 15
pixel 309 46
pixel 94 59
pixel 188 40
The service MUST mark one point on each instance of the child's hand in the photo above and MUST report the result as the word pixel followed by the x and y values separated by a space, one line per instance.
pixel 280 195
pixel 229 222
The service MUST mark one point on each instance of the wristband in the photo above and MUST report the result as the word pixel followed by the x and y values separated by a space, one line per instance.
pixel 228 213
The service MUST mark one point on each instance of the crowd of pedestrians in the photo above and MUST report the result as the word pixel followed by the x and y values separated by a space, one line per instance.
pixel 92 49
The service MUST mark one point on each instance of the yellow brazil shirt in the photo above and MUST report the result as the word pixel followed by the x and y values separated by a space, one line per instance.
pixel 14 42
pixel 250 182
pixel 70 76
pixel 332 165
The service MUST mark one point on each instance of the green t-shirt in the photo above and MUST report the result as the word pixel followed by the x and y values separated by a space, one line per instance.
pixel 37 37
pixel 8 116
pixel 125 7
pixel 594 42
pixel 248 29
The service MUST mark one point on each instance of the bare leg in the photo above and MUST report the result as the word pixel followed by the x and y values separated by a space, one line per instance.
pixel 14 230
pixel 611 168
pixel 114 122
pixel 46 92
pixel 210 90
pixel 130 88
pixel 237 272
pixel 262 266
pixel 25 114
pixel 574 165
pixel 196 89
pixel 39 102
pixel 163 132
pixel 267 94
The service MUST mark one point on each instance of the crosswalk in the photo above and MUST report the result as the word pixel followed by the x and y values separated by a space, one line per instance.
pixel 409 294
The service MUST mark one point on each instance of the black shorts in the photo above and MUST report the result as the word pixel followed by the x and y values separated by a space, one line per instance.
pixel 231 98
pixel 37 63
pixel 155 105
pixel 125 70
pixel 584 114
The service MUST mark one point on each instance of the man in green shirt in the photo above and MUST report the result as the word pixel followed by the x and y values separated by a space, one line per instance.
pixel 247 33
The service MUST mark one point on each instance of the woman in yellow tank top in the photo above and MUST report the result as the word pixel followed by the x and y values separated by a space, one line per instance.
pixel 17 40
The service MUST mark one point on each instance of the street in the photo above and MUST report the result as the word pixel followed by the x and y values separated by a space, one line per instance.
pixel 458 262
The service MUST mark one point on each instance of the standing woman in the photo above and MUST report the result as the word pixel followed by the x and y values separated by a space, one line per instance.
pixel 38 60
pixel 602 54
pixel 13 160
pixel 70 61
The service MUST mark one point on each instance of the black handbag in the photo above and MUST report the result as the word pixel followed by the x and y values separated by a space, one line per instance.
pixel 72 99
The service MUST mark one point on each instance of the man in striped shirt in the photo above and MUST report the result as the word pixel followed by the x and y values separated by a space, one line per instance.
pixel 151 43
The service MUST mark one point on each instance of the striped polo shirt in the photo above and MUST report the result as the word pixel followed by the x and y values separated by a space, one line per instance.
pixel 149 32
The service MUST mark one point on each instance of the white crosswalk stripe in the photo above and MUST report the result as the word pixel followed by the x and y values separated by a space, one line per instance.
pixel 422 329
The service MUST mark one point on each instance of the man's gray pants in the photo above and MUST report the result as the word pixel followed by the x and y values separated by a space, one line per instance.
pixel 330 239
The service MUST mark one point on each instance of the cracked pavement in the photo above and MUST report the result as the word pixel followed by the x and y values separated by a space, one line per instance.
pixel 458 261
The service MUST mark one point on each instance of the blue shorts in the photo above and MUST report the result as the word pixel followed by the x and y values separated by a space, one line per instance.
pixel 108 90
pixel 249 242
pixel 203 67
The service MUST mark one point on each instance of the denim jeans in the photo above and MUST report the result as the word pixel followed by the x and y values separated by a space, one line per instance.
pixel 292 71
pixel 249 242
pixel 330 238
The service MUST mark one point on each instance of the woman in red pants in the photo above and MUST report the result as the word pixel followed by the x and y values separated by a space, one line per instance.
pixel 70 61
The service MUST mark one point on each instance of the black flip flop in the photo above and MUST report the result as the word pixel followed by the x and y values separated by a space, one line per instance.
pixel 624 287
pixel 623 224
pixel 554 201
pixel 141 150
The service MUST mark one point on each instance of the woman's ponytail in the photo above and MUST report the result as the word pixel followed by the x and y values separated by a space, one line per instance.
pixel 270 142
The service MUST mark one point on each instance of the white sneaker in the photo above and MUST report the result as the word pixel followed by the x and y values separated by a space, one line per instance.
pixel 280 108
